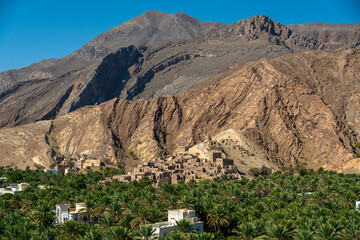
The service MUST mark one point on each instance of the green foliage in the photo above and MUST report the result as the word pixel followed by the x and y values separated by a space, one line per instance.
pixel 277 206
pixel 53 165
pixel 184 226
pixel 72 230
pixel 133 155
pixel 263 171
pixel 146 233
pixel 118 233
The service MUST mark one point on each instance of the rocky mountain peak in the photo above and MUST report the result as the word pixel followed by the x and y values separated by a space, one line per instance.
pixel 153 17
pixel 255 25
pixel 154 28
pixel 264 28
pixel 335 35
pixel 261 23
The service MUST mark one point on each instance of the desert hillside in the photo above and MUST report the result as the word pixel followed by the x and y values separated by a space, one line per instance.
pixel 153 55
pixel 300 108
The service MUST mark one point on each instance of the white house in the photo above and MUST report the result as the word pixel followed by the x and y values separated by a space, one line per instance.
pixel 54 171
pixel 65 213
pixel 162 228
pixel 14 188
pixel 357 205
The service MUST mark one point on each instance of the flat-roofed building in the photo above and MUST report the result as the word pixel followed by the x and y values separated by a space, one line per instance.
pixel 65 213
pixel 163 228
pixel 54 171
pixel 14 188
pixel 183 166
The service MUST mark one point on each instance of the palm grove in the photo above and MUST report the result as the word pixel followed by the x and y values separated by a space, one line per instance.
pixel 269 207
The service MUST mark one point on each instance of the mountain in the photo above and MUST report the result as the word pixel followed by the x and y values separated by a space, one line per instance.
pixel 152 28
pixel 301 108
pixel 103 69
pixel 281 34
pixel 335 35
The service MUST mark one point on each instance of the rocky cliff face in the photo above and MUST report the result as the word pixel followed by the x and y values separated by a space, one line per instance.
pixel 334 35
pixel 151 29
pixel 146 72
pixel 291 108
pixel 278 33
pixel 154 28
pixel 301 108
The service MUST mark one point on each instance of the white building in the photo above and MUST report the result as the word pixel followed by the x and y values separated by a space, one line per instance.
pixel 162 228
pixel 357 205
pixel 72 170
pixel 65 213
pixel 54 171
pixel 14 188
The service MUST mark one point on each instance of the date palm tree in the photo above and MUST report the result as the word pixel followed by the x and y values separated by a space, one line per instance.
pixel 108 221
pixel 202 236
pixel 118 233
pixel 72 230
pixel 2 226
pixel 13 232
pixel 115 210
pixel 155 215
pixel 93 234
pixel 352 230
pixel 139 214
pixel 246 231
pixel 175 236
pixel 88 211
pixel 184 226
pixel 278 231
pixel 48 234
pixel 145 233
pixel 186 201
pixel 42 215
pixel 126 221
pixel 304 235
pixel 218 218
pixel 172 202
pixel 5 206
pixel 327 232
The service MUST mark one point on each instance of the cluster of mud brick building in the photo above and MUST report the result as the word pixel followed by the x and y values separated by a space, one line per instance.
pixel 183 166
pixel 74 166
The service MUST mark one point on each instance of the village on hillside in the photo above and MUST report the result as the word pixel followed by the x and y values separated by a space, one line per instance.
pixel 186 164
pixel 183 166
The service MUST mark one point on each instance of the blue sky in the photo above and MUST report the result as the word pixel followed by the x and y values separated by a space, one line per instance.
pixel 33 30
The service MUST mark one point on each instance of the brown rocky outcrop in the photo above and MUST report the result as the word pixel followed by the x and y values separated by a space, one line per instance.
pixel 145 72
pixel 278 33
pixel 152 29
pixel 334 35
pixel 292 108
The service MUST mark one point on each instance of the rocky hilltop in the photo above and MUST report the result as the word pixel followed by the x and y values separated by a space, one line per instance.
pixel 334 35
pixel 276 95
pixel 280 34
pixel 300 108
pixel 142 72
pixel 152 28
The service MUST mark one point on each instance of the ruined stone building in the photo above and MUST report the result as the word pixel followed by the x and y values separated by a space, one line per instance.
pixel 183 166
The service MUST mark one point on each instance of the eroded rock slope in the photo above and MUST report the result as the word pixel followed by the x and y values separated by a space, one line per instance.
pixel 297 109
pixel 147 72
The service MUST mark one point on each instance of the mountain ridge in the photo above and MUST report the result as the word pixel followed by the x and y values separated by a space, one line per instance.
pixel 156 71
pixel 90 53
pixel 286 107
